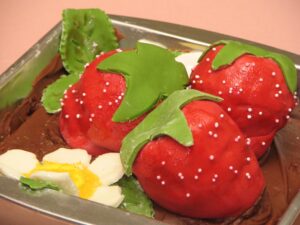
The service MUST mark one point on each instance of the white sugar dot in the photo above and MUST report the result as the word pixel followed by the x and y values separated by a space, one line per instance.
pixel 214 49
pixel 248 175
pixel 249 109
pixel 216 124
pixel 277 85
pixel 223 81
pixel 261 79
pixel 86 65
pixel 193 81
pixel 236 171
pixel 290 109
pixel 211 157
pixel 276 95
pixel 99 106
pixel 200 81
pixel 215 135
pixel 119 97
pixel 213 180
pixel 197 76
pixel 188 195
pixel 78 116
pixel 122 94
pixel 81 102
pixel 216 175
pixel 118 50
pixel 91 119
pixel 73 91
pixel 65 96
pixel 287 117
pixel 260 113
pixel 76 100
pixel 83 94
pixel 200 125
pixel 116 101
pixel 276 120
pixel 248 159
pixel 229 109
pixel 107 83
pixel 207 59
pixel 220 92
pixel 163 182
pixel 199 170
pixel 248 141
pixel 158 177
pixel 210 133
pixel 273 74
pixel 280 92
pixel 163 163
pixel 209 71
pixel 104 90
pixel 196 177
pixel 237 138
pixel 92 115
pixel 263 143
pixel 249 117
pixel 67 116
pixel 230 167
pixel 241 89
pixel 109 103
pixel 221 115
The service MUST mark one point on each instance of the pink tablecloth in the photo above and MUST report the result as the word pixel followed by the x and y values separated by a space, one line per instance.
pixel 272 22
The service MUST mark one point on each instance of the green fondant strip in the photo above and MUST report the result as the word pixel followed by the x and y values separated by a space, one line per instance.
pixel 35 184
pixel 151 74
pixel 135 199
pixel 54 92
pixel 85 33
pixel 233 50
pixel 166 119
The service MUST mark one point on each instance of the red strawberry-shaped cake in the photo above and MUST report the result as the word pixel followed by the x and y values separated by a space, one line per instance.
pixel 88 108
pixel 113 95
pixel 213 176
pixel 257 87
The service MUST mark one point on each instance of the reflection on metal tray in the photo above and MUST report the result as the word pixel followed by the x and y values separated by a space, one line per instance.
pixel 22 74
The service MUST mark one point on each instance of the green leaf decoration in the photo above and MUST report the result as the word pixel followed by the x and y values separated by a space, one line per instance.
pixel 234 49
pixel 151 74
pixel 35 184
pixel 55 91
pixel 166 119
pixel 85 33
pixel 135 200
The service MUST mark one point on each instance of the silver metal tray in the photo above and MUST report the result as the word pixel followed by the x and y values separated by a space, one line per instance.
pixel 56 208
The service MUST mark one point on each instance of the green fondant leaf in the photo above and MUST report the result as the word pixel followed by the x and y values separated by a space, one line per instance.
pixel 166 119
pixel 135 199
pixel 35 184
pixel 177 53
pixel 233 49
pixel 55 91
pixel 151 73
pixel 85 33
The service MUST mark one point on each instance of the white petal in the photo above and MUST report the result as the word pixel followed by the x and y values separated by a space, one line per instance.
pixel 189 60
pixel 61 179
pixel 16 162
pixel 108 168
pixel 70 156
pixel 108 195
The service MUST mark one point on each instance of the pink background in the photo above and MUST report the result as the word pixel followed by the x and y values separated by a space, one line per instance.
pixel 272 22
